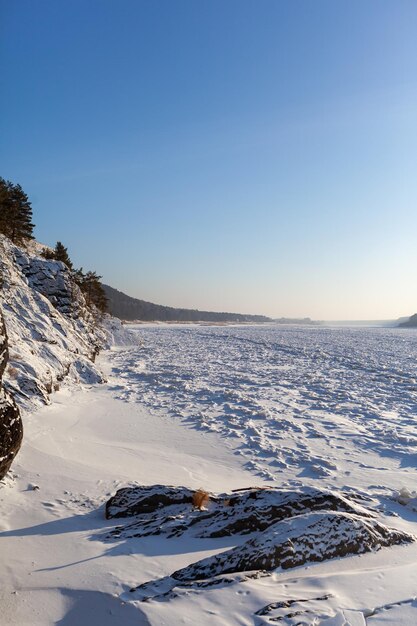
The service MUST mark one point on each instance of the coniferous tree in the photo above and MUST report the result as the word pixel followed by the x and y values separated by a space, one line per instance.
pixel 79 277
pixel 15 212
pixel 5 206
pixel 61 254
pixel 92 289
pixel 47 253
pixel 23 226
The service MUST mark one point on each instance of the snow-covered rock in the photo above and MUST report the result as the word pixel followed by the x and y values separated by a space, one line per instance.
pixel 52 333
pixel 117 334
pixel 288 528
pixel 314 536
pixel 168 510
pixel 407 498
pixel 53 279
pixel 131 501
pixel 312 526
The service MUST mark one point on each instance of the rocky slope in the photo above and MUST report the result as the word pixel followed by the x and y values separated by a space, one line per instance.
pixel 52 335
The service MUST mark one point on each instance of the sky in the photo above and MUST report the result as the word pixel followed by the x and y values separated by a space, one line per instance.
pixel 254 156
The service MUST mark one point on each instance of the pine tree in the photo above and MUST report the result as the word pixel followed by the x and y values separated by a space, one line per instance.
pixel 47 253
pixel 15 212
pixel 79 277
pixel 23 226
pixel 4 206
pixel 61 254
pixel 92 289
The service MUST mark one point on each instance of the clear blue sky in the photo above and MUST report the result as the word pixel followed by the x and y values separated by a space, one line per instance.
pixel 245 155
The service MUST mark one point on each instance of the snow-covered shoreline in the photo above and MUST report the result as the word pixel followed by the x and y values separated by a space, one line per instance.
pixel 92 440
pixel 76 452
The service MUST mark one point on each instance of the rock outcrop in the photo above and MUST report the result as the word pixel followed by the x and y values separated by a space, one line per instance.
pixel 314 536
pixel 287 528
pixel 11 430
pixel 132 501
pixel 168 510
pixel 52 332
pixel 52 279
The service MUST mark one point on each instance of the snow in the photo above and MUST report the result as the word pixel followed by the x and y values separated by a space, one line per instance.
pixel 79 450
pixel 303 404
pixel 217 408
pixel 52 335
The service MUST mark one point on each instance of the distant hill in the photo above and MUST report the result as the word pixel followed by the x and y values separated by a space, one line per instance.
pixel 306 321
pixel 410 323
pixel 130 309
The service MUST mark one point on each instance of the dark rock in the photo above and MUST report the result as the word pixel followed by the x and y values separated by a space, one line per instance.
pixel 168 588
pixel 52 279
pixel 240 513
pixel 317 536
pixel 257 509
pixel 289 529
pixel 131 501
pixel 11 429
pixel 305 611
pixel 4 349
pixel 285 604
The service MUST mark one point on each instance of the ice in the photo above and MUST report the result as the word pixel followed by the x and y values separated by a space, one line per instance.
pixel 313 402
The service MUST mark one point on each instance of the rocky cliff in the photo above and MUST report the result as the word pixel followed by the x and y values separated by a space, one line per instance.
pixel 11 430
pixel 52 335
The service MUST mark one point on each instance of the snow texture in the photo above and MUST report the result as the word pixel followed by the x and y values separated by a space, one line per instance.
pixel 320 400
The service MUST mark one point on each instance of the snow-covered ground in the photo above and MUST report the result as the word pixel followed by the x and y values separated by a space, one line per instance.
pixel 217 408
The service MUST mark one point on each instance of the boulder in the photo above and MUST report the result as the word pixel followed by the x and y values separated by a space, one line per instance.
pixel 317 536
pixel 131 501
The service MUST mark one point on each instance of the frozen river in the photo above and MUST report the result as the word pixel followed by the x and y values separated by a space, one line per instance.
pixel 299 402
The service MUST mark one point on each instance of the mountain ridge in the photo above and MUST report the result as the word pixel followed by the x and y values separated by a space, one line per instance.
pixel 131 309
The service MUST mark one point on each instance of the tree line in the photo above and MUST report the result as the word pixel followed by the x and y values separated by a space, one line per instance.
pixel 16 224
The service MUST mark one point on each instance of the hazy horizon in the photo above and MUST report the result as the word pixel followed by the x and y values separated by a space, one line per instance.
pixel 277 317
pixel 254 157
